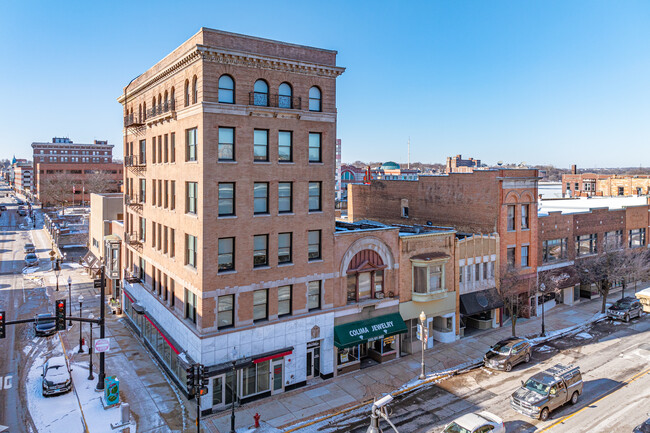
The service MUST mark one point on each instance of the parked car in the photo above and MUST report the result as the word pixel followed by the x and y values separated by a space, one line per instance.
pixel 643 428
pixel 19 201
pixel 56 376
pixel 625 309
pixel 3 207
pixel 548 390
pixel 482 422
pixel 31 259
pixel 44 325
pixel 507 353
pixel 29 248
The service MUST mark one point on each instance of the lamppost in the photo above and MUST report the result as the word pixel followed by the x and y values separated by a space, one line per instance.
pixel 70 299
pixel 90 349
pixel 542 288
pixel 81 347
pixel 234 381
pixel 57 272
pixel 423 337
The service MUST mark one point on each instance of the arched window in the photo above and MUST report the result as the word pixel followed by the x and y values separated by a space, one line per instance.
pixel 226 89
pixel 314 99
pixel 365 276
pixel 284 96
pixel 195 91
pixel 347 175
pixel 261 93
pixel 172 100
pixel 187 93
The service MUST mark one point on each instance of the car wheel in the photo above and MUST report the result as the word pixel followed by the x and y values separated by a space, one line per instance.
pixel 543 416
pixel 527 358
pixel 574 397
pixel 508 366
pixel 626 318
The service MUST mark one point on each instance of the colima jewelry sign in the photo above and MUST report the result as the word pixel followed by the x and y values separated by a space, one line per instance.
pixel 361 331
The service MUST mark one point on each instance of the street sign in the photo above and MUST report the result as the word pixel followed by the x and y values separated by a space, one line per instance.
pixel 97 283
pixel 102 345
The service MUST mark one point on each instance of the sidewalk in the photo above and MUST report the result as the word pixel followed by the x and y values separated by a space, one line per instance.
pixel 348 390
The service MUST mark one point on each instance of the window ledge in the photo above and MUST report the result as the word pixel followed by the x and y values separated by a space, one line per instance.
pixel 232 271
pixel 427 297
pixel 525 230
pixel 315 260
pixel 226 161
pixel 286 162
pixel 191 268
pixel 282 265
pixel 285 213
pixel 262 162
pixel 311 212
pixel 317 162
pixel 227 217
pixel 256 215
pixel 191 162
pixel 255 268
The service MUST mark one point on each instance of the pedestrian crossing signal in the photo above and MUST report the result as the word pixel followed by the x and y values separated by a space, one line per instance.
pixel 60 315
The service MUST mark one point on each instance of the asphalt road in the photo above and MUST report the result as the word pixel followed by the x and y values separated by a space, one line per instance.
pixel 608 353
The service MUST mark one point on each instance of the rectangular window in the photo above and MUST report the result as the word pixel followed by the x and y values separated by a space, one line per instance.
pixel 143 152
pixel 511 217
pixel 524 217
pixel 172 147
pixel 637 238
pixel 190 144
pixel 160 192
pixel 190 306
pixel 511 257
pixel 554 250
pixel 284 301
pixel 160 149
pixel 315 147
pixel 477 271
pixel 226 260
pixel 621 190
pixel 260 305
pixel 524 256
pixel 172 204
pixel 261 198
pixel 166 240
pixel 166 150
pixel 154 196
pixel 226 144
pixel 284 248
pixel 153 235
pixel 166 205
pixel 587 244
pixel 191 190
pixel 153 150
pixel 260 250
pixel 172 242
pixel 315 196
pixel 159 244
pixel 143 229
pixel 172 292
pixel 285 147
pixel 261 145
pixel 313 248
pixel 226 311
pixel 226 199
pixel 190 250
pixel 313 295
pixel 143 190
pixel 285 199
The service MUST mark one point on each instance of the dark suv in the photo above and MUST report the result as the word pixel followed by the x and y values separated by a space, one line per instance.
pixel 507 353
pixel 44 325
pixel 625 309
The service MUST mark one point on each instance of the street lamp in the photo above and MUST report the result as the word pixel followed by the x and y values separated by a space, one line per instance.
pixel 542 288
pixel 70 299
pixel 234 381
pixel 57 272
pixel 81 347
pixel 423 337
pixel 90 349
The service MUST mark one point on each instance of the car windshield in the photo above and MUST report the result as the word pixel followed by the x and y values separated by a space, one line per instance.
pixel 455 428
pixel 45 320
pixel 30 256
pixel 501 349
pixel 536 386
pixel 622 305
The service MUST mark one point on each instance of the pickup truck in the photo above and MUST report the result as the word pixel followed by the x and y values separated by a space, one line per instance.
pixel 548 390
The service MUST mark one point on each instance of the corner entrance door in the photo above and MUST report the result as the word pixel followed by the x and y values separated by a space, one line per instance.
pixel 277 376
pixel 313 360
pixel 222 390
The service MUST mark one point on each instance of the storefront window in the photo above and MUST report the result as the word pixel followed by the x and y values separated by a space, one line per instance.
pixel 352 288
pixel 349 354
pixel 388 344
pixel 255 379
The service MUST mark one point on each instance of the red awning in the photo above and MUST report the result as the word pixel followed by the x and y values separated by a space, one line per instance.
pixel 277 355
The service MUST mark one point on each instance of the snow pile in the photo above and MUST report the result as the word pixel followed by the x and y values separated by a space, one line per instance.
pixel 584 336
pixel 544 348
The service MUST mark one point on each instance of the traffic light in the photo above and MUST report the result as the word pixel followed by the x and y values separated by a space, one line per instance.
pixel 60 315
pixel 2 325
pixel 191 378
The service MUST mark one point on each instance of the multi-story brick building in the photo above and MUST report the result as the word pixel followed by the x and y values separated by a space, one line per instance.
pixel 457 164
pixel 22 174
pixel 230 155
pixel 499 201
pixel 608 185
pixel 65 171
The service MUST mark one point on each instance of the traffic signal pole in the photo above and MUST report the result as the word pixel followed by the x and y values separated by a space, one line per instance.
pixel 102 314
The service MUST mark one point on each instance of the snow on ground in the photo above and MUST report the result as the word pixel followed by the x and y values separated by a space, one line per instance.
pixel 26 349
pixel 584 336
pixel 544 348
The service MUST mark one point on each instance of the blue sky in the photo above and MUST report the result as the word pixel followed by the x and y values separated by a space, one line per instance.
pixel 536 81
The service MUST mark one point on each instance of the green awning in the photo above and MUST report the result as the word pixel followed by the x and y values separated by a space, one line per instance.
pixel 351 334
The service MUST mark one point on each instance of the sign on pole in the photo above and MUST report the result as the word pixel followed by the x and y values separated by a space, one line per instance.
pixel 102 345
pixel 97 283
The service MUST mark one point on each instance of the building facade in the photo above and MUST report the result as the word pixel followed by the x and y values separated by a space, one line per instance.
pixel 229 224
pixel 457 164
pixel 22 177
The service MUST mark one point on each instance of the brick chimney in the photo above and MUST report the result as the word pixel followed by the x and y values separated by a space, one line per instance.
pixel 574 169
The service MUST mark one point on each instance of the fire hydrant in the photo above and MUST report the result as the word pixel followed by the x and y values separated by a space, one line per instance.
pixel 257 417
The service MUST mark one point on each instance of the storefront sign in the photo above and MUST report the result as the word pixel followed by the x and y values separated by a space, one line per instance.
pixel 389 340
pixel 344 357
pixel 359 332
pixel 377 328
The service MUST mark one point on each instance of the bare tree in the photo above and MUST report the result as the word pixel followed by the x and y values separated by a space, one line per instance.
pixel 56 189
pixel 634 266
pixel 514 291
pixel 601 270
pixel 100 181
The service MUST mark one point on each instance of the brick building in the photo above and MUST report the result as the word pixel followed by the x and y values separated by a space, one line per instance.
pixel 229 225
pixel 456 164
pixel 350 174
pixel 608 185
pixel 22 175
pixel 499 201
pixel 65 171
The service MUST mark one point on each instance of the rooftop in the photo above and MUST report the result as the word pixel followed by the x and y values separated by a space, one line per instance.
pixel 586 204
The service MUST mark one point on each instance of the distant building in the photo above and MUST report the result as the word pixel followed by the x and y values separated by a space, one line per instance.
pixel 68 171
pixel 337 186
pixel 457 164
pixel 391 171
pixel 350 174
pixel 21 176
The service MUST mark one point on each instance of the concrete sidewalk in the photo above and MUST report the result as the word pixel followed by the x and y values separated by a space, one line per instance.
pixel 333 395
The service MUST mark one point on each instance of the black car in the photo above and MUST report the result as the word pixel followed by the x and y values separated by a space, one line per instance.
pixel 44 325
pixel 507 353
pixel 643 428
pixel 29 248
pixel 625 309
pixel 3 207
pixel 56 376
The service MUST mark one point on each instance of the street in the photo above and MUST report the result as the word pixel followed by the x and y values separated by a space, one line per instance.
pixel 608 353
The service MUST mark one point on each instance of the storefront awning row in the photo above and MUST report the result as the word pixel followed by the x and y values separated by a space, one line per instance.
pixel 478 302
pixel 351 334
